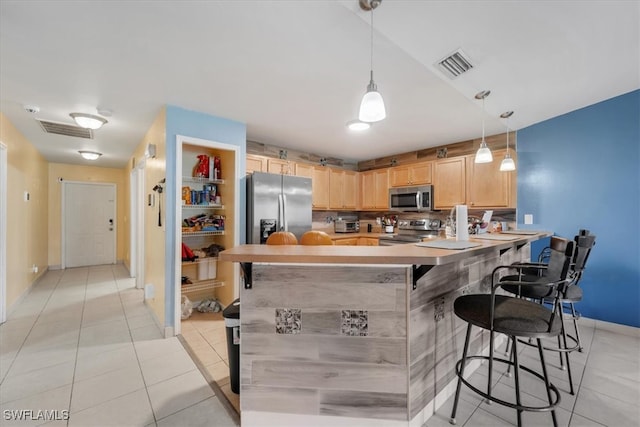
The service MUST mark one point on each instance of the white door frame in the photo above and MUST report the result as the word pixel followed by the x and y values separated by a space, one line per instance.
pixel 180 139
pixel 136 234
pixel 3 232
pixel 63 215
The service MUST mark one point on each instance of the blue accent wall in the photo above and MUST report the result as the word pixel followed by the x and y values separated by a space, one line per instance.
pixel 197 125
pixel 582 170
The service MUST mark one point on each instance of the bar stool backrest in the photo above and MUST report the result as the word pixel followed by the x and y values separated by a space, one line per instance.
pixel 560 256
pixel 584 244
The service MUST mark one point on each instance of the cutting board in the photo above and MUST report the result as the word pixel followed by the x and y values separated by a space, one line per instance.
pixel 449 244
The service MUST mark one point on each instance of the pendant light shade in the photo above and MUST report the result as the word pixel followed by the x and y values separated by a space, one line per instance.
pixel 372 105
pixel 507 164
pixel 483 155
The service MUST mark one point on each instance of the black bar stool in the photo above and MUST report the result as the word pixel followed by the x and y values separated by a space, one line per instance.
pixel 516 317
pixel 567 295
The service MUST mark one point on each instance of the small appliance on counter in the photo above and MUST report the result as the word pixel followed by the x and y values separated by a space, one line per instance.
pixel 346 226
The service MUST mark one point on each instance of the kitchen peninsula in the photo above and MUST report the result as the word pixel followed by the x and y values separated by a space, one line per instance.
pixel 356 335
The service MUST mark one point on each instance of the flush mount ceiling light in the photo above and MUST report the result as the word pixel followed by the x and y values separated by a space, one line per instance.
pixel 358 126
pixel 88 121
pixel 507 164
pixel 372 105
pixel 89 155
pixel 483 155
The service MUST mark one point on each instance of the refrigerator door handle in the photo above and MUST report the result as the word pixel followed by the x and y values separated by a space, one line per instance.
pixel 280 226
pixel 284 212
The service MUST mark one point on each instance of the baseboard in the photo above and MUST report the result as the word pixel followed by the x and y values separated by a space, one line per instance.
pixel 24 294
pixel 55 267
pixel 617 328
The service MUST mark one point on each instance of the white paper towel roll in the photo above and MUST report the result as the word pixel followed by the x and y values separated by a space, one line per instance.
pixel 462 223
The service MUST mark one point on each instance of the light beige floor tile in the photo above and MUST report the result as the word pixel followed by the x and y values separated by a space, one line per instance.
pixel 140 321
pixel 483 418
pixel 579 421
pixel 166 366
pixel 206 413
pixel 218 371
pixel 105 387
pixel 52 400
pixel 92 365
pixel 175 394
pixel 606 410
pixel 105 333
pixel 30 360
pixel 131 409
pixel 614 386
pixel 613 364
pixel 206 355
pixel 146 333
pixel 35 382
pixel 156 348
pixel 443 414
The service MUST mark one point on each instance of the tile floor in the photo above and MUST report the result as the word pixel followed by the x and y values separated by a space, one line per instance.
pixel 606 377
pixel 83 341
pixel 205 337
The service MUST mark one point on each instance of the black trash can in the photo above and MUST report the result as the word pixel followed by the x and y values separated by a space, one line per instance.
pixel 231 316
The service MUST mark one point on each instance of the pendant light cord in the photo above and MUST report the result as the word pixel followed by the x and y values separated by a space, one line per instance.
pixel 483 113
pixel 371 43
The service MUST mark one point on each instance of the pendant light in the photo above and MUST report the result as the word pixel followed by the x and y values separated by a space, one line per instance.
pixel 483 155
pixel 507 164
pixel 372 105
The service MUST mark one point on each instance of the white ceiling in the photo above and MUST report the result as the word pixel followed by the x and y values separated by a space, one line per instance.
pixel 294 71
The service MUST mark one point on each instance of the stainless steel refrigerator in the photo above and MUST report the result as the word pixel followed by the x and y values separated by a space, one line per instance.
pixel 277 203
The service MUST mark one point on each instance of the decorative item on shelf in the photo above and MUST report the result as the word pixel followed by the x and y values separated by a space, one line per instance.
pixel 389 222
pixel 441 153
pixel 372 106
pixel 483 155
pixel 186 195
pixel 201 170
pixel 507 164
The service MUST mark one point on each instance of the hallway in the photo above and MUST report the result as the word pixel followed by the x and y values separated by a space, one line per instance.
pixel 83 346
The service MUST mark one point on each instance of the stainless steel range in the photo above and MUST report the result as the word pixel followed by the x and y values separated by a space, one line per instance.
pixel 412 231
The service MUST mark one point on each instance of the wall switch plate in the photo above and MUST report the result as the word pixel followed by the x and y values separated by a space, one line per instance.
pixel 528 219
pixel 149 291
pixel 26 196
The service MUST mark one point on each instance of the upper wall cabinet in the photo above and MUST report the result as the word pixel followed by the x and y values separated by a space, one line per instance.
pixel 320 187
pixel 449 182
pixel 487 186
pixel 256 164
pixel 414 174
pixel 342 189
pixel 374 189
pixel 279 166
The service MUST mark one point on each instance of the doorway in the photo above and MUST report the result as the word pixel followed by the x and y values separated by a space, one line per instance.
pixel 3 233
pixel 88 224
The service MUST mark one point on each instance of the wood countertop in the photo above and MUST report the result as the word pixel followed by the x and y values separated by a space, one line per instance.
pixel 408 254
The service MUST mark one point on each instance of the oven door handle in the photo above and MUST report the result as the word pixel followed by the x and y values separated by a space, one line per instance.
pixel 419 200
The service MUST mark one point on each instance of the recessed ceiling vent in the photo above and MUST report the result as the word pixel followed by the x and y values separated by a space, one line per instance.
pixel 65 129
pixel 455 64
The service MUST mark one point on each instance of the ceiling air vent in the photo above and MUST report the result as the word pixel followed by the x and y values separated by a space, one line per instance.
pixel 65 129
pixel 455 64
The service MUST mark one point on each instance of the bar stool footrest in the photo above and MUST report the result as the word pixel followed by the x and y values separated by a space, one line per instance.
pixel 546 408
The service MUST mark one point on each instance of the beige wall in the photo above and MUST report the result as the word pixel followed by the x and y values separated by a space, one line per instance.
pixel 84 174
pixel 154 241
pixel 26 220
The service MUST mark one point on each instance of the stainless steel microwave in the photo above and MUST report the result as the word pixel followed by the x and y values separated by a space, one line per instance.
pixel 411 199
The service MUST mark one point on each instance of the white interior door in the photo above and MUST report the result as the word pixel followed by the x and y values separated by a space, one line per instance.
pixel 3 233
pixel 89 224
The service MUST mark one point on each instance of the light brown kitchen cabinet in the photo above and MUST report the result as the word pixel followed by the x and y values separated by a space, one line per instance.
pixel 351 241
pixel 413 174
pixel 449 182
pixel 304 169
pixel 487 186
pixel 279 166
pixel 342 189
pixel 255 164
pixel 367 241
pixel 374 189
pixel 320 187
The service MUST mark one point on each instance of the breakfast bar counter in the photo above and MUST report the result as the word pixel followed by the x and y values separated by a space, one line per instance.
pixel 356 335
